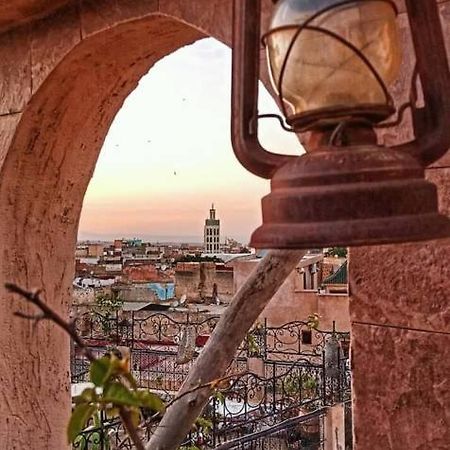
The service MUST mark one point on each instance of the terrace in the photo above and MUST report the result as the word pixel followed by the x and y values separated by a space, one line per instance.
pixel 281 385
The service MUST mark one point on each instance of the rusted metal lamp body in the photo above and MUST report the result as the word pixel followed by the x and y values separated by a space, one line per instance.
pixel 353 192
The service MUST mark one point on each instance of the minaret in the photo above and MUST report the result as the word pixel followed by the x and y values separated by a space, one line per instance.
pixel 212 233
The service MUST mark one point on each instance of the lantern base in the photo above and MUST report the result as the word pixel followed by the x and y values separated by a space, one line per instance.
pixel 346 233
pixel 349 196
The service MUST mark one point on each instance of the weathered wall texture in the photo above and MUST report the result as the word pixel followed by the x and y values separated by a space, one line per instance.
pixel 63 78
pixel 291 303
pixel 197 280
pixel 62 81
pixel 400 315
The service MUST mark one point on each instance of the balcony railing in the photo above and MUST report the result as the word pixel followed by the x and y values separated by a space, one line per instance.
pixel 280 373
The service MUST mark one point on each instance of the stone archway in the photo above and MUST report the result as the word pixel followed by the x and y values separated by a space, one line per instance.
pixel 52 143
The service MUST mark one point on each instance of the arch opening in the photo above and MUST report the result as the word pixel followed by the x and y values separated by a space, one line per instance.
pixel 43 180
pixel 168 155
pixel 44 177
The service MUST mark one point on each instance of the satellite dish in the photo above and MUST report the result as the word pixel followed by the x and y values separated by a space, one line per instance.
pixel 183 299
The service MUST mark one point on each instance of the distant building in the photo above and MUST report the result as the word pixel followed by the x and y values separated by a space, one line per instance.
pixel 212 233
pixel 305 293
pixel 204 282
pixel 95 250
pixel 231 246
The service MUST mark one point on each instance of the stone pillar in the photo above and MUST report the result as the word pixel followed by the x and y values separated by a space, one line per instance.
pixel 400 353
pixel 334 428
pixel 37 238
pixel 400 314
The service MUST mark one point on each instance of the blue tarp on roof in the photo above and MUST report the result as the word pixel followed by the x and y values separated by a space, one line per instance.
pixel 164 291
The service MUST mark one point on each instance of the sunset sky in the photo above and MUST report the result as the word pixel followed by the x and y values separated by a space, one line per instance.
pixel 168 156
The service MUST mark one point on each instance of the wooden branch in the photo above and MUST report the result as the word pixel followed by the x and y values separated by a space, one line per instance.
pixel 130 428
pixel 213 361
pixel 69 327
pixel 48 314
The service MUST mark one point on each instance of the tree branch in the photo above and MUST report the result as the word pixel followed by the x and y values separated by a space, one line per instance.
pixel 69 327
pixel 213 361
pixel 130 428
pixel 48 314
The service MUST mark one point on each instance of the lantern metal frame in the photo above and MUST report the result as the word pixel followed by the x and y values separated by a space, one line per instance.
pixel 396 203
pixel 309 120
pixel 430 122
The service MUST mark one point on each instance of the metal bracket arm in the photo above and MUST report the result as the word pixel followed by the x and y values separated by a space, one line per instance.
pixel 244 92
pixel 431 123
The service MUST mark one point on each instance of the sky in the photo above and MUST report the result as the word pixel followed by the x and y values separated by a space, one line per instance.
pixel 168 156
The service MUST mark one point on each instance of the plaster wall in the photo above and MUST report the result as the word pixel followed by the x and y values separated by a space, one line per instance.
pixel 196 281
pixel 400 316
pixel 143 273
pixel 63 80
pixel 291 303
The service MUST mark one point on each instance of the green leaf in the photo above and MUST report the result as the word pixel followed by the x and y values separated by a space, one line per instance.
pixel 100 371
pixel 87 396
pixel 112 413
pixel 203 423
pixel 118 394
pixel 219 397
pixel 150 400
pixel 78 420
pixel 78 399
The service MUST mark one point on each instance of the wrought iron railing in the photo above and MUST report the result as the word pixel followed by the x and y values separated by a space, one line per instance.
pixel 281 373
pixel 134 330
pixel 248 404
pixel 107 435
pixel 302 432
pixel 252 402
pixel 306 432
pixel 299 339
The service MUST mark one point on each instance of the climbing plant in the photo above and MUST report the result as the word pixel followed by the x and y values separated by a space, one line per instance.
pixel 106 305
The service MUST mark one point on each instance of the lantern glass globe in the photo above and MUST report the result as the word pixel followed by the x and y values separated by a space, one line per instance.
pixel 322 74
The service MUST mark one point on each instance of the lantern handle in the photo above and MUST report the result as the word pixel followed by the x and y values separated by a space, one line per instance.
pixel 431 123
pixel 244 92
